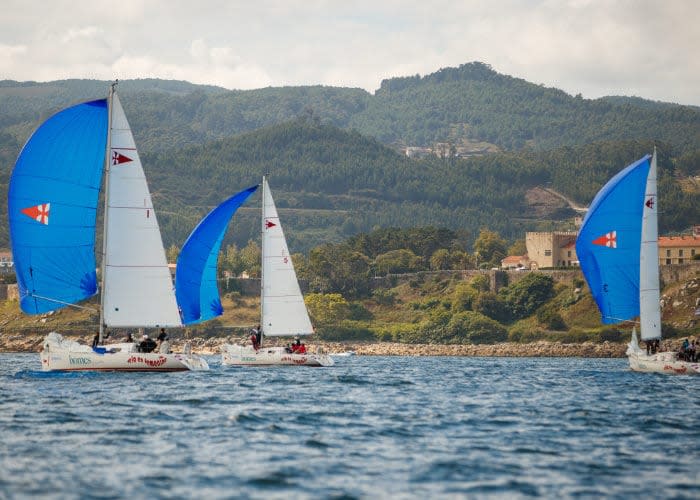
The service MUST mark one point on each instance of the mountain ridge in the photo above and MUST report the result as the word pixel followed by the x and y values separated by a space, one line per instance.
pixel 341 149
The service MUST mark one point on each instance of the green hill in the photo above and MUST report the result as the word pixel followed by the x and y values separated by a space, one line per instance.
pixel 468 103
pixel 333 158
pixel 330 184
pixel 474 102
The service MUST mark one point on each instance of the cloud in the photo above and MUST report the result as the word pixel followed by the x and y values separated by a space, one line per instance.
pixel 640 47
pixel 204 65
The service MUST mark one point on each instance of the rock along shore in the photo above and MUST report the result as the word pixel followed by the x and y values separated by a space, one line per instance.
pixel 32 343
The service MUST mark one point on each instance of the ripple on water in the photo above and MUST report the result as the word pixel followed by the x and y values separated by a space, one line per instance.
pixel 369 427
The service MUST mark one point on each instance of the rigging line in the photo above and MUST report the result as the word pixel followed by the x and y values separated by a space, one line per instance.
pixel 62 302
pixel 619 320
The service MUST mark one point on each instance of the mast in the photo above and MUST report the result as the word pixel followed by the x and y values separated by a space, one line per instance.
pixel 262 256
pixel 108 157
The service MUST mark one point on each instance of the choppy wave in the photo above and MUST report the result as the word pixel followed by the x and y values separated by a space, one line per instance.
pixel 369 427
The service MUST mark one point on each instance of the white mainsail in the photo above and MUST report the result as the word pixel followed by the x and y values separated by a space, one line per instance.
pixel 649 296
pixel 283 311
pixel 138 289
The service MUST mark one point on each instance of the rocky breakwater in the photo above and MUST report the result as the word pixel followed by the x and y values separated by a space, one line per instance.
pixel 535 349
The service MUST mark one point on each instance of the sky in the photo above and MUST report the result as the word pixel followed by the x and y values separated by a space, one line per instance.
pixel 638 48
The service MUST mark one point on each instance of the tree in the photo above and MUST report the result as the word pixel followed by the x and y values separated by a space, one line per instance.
pixel 301 265
pixel 480 283
pixel 250 256
pixel 463 297
pixel 477 328
pixel 489 304
pixel 231 261
pixel 523 297
pixel 517 248
pixel 339 269
pixel 490 246
pixel 440 259
pixel 550 318
pixel 327 308
pixel 397 261
pixel 172 253
pixel 461 260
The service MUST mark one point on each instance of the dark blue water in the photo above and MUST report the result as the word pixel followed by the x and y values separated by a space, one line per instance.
pixel 370 427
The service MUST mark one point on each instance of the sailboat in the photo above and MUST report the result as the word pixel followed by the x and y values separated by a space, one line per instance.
pixel 618 251
pixel 53 204
pixel 282 308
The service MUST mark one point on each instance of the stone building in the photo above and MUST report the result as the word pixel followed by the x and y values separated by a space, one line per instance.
pixel 551 249
pixel 678 249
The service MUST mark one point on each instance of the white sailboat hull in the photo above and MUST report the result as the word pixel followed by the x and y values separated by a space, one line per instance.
pixel 663 362
pixel 64 355
pixel 239 355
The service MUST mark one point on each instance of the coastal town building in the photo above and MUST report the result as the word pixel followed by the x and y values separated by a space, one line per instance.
pixel 678 249
pixel 418 152
pixel 558 249
pixel 515 262
pixel 551 249
pixel 447 150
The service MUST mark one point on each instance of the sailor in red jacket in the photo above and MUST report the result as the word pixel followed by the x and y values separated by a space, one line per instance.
pixel 298 347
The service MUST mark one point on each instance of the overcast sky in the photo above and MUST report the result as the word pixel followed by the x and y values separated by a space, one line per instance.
pixel 594 47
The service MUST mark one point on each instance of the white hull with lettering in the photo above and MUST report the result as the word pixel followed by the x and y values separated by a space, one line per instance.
pixel 270 356
pixel 59 354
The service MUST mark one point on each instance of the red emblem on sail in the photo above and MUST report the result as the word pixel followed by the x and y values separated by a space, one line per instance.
pixel 118 158
pixel 650 203
pixel 39 213
pixel 607 240
pixel 269 224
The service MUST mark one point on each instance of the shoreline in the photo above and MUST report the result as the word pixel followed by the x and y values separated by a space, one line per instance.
pixel 212 346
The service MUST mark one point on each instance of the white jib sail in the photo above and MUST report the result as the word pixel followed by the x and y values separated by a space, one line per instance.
pixel 649 297
pixel 138 290
pixel 283 310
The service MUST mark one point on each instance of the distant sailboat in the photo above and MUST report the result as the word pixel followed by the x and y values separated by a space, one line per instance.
pixel 282 308
pixel 53 203
pixel 618 250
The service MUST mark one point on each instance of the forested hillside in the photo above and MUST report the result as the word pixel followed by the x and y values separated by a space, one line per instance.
pixel 330 184
pixel 475 102
pixel 471 102
pixel 333 157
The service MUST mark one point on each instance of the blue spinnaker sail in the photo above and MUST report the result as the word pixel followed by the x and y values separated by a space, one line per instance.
pixel 196 289
pixel 52 207
pixel 609 243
